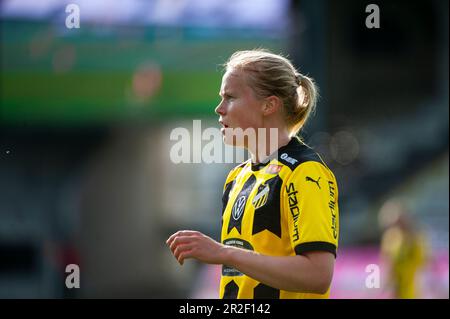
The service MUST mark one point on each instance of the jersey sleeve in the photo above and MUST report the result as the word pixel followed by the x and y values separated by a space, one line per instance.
pixel 310 198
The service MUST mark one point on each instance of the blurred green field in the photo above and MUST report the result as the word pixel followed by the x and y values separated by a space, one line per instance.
pixel 81 76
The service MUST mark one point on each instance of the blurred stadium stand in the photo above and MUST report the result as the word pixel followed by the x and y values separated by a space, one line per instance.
pixel 86 115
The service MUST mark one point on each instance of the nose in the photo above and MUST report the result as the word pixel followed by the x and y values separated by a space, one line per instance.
pixel 220 109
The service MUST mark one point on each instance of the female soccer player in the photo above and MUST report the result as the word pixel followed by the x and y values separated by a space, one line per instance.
pixel 280 221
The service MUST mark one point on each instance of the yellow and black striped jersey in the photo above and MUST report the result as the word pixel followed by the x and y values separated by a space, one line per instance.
pixel 284 207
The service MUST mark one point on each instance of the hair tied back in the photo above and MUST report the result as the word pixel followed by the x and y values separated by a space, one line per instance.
pixel 298 79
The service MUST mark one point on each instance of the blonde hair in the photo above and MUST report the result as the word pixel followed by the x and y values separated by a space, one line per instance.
pixel 272 74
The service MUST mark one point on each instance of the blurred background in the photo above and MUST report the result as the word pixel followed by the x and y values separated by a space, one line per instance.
pixel 86 115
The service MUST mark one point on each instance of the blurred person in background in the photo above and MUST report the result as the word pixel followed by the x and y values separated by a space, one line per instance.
pixel 402 250
pixel 280 208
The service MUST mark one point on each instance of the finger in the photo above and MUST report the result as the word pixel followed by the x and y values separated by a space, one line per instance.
pixel 180 241
pixel 180 249
pixel 180 233
pixel 185 255
pixel 172 237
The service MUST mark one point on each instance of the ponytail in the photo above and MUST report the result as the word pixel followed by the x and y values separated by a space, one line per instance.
pixel 307 95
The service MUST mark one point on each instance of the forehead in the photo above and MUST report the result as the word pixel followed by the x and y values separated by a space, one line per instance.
pixel 233 80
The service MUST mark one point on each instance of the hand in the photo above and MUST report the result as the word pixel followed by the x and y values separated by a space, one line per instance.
pixel 193 244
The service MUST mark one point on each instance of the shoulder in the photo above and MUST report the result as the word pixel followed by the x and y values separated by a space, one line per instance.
pixel 296 153
pixel 303 160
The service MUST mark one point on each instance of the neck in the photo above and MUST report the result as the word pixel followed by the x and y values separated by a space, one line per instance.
pixel 267 143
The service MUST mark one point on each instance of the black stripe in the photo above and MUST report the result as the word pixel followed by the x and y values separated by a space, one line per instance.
pixel 268 216
pixel 300 249
pixel 259 201
pixel 226 195
pixel 265 292
pixel 231 290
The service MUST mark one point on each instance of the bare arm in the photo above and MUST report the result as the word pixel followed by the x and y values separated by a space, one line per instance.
pixel 311 272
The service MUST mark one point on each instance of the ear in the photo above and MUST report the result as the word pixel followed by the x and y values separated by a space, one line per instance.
pixel 272 104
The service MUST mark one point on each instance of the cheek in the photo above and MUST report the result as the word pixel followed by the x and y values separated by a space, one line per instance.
pixel 244 115
pixel 251 119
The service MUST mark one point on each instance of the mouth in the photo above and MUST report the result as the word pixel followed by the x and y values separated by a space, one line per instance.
pixel 223 124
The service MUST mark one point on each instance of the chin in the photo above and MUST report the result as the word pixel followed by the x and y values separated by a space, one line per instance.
pixel 233 143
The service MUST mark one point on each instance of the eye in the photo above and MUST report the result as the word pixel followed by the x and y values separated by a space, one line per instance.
pixel 227 97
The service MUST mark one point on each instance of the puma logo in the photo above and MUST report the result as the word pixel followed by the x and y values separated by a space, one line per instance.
pixel 309 179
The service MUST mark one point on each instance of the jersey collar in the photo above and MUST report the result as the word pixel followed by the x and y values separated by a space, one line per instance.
pixel 294 142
